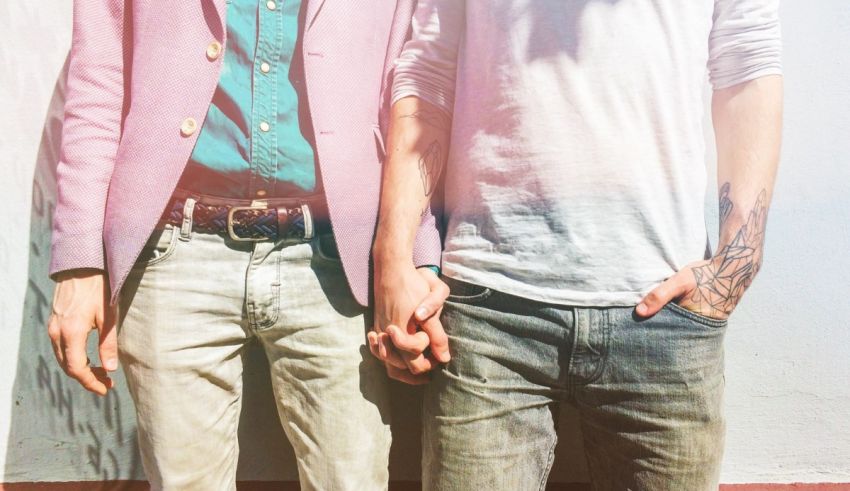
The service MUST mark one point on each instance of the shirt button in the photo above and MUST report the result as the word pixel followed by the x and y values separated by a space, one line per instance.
pixel 271 5
pixel 188 126
pixel 261 192
pixel 265 126
pixel 214 50
pixel 265 67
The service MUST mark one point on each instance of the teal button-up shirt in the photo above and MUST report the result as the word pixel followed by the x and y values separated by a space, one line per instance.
pixel 257 138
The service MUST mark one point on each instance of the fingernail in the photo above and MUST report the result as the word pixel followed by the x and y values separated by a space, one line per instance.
pixel 421 313
pixel 111 364
pixel 445 356
pixel 641 308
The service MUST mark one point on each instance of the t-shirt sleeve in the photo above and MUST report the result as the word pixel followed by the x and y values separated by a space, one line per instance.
pixel 427 66
pixel 745 41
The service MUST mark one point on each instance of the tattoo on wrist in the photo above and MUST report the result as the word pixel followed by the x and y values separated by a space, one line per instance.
pixel 721 283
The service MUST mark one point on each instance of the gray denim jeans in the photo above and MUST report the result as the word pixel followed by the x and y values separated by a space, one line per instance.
pixel 648 393
pixel 190 306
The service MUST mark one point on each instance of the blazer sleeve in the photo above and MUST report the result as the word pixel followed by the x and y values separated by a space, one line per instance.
pixel 91 130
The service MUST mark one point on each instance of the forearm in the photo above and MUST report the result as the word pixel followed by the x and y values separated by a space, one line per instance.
pixel 417 151
pixel 748 129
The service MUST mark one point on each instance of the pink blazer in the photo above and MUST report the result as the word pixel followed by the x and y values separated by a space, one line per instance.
pixel 138 69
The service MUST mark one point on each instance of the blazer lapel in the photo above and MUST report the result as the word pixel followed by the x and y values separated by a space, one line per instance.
pixel 314 7
pixel 221 10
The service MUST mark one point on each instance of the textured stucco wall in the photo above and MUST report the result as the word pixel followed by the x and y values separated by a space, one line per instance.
pixel 788 395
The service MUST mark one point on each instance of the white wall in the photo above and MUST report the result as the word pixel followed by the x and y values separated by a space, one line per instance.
pixel 788 395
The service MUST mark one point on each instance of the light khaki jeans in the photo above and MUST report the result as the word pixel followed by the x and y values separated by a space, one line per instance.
pixel 190 306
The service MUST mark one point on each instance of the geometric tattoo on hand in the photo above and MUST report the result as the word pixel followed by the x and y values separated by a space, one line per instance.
pixel 721 283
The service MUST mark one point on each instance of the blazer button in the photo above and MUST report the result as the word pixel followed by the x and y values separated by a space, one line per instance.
pixel 188 126
pixel 214 50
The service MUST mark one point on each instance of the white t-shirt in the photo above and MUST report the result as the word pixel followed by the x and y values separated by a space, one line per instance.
pixel 576 171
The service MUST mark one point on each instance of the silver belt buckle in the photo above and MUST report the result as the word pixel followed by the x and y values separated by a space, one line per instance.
pixel 256 205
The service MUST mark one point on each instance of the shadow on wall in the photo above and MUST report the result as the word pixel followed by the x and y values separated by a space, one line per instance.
pixel 60 432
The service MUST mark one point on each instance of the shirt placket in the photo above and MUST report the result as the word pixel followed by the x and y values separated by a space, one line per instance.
pixel 264 129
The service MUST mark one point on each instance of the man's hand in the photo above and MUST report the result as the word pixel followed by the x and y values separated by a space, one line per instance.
pixel 417 144
pixel 714 287
pixel 81 304
pixel 407 300
pixel 709 298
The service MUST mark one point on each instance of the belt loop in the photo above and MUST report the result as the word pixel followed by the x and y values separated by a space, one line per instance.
pixel 308 222
pixel 186 227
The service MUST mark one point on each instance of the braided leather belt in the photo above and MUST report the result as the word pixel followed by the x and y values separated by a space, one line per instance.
pixel 254 223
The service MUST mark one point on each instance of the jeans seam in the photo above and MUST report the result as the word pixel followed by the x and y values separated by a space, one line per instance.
pixel 235 443
pixel 275 309
pixel 570 361
pixel 471 299
pixel 699 318
pixel 606 339
pixel 545 477
pixel 603 354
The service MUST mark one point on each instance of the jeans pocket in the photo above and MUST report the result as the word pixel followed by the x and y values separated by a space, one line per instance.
pixel 159 247
pixel 325 248
pixel 701 319
pixel 466 293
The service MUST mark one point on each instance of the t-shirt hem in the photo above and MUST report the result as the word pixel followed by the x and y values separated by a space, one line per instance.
pixel 555 296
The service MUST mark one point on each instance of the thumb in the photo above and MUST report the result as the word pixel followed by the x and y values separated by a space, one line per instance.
pixel 433 302
pixel 439 341
pixel 672 288
pixel 108 342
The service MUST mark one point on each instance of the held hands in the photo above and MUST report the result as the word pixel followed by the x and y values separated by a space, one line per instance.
pixel 80 305
pixel 408 303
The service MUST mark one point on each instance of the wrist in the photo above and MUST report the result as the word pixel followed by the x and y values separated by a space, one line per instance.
pixel 435 269
pixel 393 269
pixel 388 255
pixel 78 273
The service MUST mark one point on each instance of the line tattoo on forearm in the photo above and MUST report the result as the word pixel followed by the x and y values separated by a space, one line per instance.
pixel 725 204
pixel 431 160
pixel 434 119
pixel 721 283
pixel 430 165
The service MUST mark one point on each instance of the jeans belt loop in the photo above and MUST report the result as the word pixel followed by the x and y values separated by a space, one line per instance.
pixel 186 227
pixel 308 222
